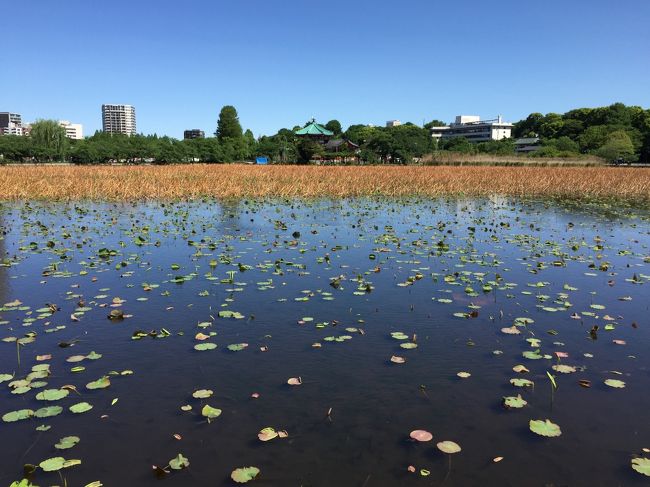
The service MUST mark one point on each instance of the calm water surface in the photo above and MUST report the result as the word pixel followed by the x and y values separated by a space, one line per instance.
pixel 448 273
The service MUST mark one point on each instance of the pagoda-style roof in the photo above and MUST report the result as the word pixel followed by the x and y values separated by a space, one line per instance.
pixel 313 128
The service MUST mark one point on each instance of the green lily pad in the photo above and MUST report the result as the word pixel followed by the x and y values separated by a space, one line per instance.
pixel 67 442
pixel 615 383
pixel 5 377
pixel 237 347
pixel 205 346
pixel 100 383
pixel 210 412
pixel 17 415
pixel 52 394
pixel 408 345
pixel 514 402
pixel 448 447
pixel 532 355
pixel 564 369
pixel 517 382
pixel 398 335
pixel 57 463
pixel 544 428
pixel 244 474
pixel 179 463
pixel 202 394
pixel 48 412
pixel 81 407
pixel 641 465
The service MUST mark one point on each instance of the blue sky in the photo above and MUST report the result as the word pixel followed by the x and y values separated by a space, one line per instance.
pixel 282 62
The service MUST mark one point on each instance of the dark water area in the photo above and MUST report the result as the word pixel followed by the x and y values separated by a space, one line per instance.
pixel 448 274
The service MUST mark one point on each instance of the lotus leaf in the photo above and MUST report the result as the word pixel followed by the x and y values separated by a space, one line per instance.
pixel 544 428
pixel 244 474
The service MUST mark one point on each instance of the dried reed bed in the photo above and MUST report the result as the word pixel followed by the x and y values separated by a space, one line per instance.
pixel 239 180
pixel 459 159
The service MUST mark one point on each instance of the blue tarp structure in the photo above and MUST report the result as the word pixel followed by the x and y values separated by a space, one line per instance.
pixel 261 160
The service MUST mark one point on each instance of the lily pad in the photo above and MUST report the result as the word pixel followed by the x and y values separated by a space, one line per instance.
pixel 522 382
pixel 67 442
pixel 244 474
pixel 421 435
pixel 81 407
pixel 564 369
pixel 17 415
pixel 267 434
pixel 48 412
pixel 179 463
pixel 615 383
pixel 100 383
pixel 202 394
pixel 641 465
pixel 210 412
pixel 515 402
pixel 52 394
pixel 544 428
pixel 57 463
pixel 448 447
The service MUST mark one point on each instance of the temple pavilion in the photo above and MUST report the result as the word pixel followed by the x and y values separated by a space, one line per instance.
pixel 315 132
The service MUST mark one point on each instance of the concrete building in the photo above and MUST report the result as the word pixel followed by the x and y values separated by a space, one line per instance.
pixel 474 129
pixel 72 130
pixel 393 123
pixel 118 119
pixel 11 124
pixel 194 134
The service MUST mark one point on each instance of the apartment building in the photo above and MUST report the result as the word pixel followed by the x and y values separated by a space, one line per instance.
pixel 118 119
pixel 72 130
pixel 11 124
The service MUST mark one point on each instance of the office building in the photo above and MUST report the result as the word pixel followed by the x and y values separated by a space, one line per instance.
pixel 474 129
pixel 194 134
pixel 10 124
pixel 72 130
pixel 118 119
pixel 393 123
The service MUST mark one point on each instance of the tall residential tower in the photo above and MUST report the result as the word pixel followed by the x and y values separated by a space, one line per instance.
pixel 118 119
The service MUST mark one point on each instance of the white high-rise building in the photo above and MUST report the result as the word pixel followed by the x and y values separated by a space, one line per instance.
pixel 72 130
pixel 118 119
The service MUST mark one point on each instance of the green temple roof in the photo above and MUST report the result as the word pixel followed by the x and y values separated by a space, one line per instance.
pixel 313 128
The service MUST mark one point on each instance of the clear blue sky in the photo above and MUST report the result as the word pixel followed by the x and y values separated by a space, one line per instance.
pixel 282 62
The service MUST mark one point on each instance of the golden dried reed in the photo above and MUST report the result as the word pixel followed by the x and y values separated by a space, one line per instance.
pixel 240 180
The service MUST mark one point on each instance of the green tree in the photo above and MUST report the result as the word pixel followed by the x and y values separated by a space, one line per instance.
pixel 457 144
pixel 228 126
pixel 565 144
pixel 49 140
pixel 618 146
pixel 334 126
pixel 307 149
pixel 434 123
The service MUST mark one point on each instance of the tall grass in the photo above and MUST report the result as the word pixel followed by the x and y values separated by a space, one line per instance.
pixel 239 180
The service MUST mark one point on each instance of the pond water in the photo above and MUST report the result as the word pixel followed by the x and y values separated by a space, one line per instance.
pixel 319 292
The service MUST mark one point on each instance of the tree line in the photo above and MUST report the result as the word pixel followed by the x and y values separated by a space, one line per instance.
pixel 613 132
